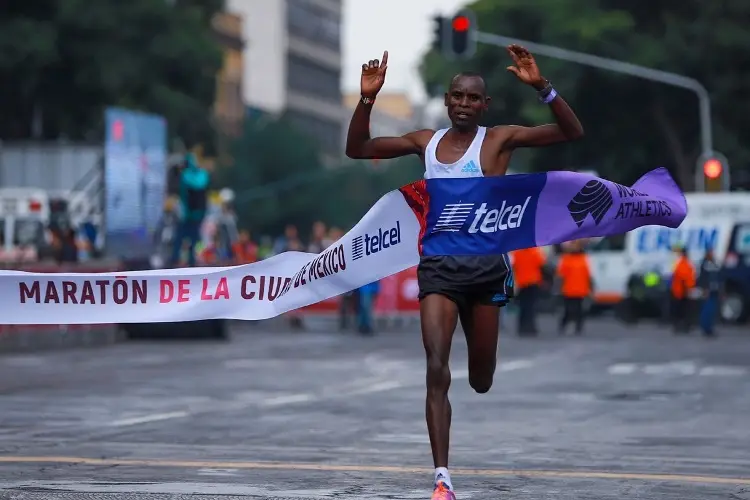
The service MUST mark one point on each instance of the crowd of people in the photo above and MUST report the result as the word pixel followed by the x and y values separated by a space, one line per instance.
pixel 689 289
pixel 195 231
pixel 226 244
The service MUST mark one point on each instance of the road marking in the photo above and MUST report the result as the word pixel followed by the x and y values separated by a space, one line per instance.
pixel 154 417
pixel 288 399
pixel 722 371
pixel 204 464
pixel 516 364
pixel 623 369
pixel 684 368
pixel 359 387
pixel 217 472
pixel 401 438
pixel 386 385
pixel 675 368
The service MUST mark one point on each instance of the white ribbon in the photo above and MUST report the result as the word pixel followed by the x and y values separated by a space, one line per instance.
pixel 383 243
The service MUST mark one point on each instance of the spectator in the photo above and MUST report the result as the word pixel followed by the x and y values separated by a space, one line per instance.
pixel 528 266
pixel 226 225
pixel 576 285
pixel 682 283
pixel 367 295
pixel 318 238
pixel 289 241
pixel 66 249
pixel 194 182
pixel 245 251
pixel 334 235
pixel 710 284
pixel 165 232
pixel 350 300
pixel 265 249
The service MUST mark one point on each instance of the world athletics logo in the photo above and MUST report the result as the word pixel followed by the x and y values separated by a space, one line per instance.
pixel 593 199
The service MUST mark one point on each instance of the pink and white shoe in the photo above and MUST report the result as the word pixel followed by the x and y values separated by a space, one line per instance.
pixel 442 492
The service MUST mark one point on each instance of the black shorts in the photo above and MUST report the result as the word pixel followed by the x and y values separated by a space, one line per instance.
pixel 467 279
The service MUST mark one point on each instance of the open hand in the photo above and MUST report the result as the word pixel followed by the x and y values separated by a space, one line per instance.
pixel 373 76
pixel 525 69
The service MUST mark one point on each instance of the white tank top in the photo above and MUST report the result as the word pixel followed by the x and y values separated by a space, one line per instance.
pixel 467 166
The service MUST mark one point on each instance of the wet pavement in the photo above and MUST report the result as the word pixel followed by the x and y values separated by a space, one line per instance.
pixel 620 412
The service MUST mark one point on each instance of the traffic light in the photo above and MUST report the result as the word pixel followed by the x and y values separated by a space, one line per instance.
pixel 455 37
pixel 712 168
pixel 438 30
pixel 462 43
pixel 712 173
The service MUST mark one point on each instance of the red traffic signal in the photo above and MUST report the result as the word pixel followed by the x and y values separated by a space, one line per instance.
pixel 713 168
pixel 712 173
pixel 462 41
pixel 461 23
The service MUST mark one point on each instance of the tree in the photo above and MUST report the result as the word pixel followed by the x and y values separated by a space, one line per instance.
pixel 276 184
pixel 632 125
pixel 269 176
pixel 63 62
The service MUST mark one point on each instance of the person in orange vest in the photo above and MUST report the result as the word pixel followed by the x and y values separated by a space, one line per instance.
pixel 683 281
pixel 574 272
pixel 528 265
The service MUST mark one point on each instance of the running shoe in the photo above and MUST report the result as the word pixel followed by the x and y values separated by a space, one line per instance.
pixel 441 492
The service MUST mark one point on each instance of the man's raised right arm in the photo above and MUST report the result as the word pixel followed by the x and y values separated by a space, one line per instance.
pixel 360 146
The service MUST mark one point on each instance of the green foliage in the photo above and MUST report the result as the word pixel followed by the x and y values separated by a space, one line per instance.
pixel 70 59
pixel 279 179
pixel 632 125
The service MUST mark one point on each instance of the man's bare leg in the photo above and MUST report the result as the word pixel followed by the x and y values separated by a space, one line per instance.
pixel 439 316
pixel 481 325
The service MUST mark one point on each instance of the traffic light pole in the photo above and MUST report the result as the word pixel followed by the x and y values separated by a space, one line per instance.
pixel 621 67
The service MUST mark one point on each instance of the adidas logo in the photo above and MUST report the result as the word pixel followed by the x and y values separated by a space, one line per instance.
pixel 470 168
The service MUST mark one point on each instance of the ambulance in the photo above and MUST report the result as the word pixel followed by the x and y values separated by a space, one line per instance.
pixel 720 221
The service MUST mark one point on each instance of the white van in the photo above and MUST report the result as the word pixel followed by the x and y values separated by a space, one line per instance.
pixel 24 215
pixel 709 223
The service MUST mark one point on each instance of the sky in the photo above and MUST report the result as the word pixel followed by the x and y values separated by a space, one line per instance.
pixel 402 27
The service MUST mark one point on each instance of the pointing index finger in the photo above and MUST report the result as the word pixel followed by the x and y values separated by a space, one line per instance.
pixel 384 61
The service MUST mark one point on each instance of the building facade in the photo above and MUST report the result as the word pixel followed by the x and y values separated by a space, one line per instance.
pixel 392 115
pixel 229 110
pixel 292 64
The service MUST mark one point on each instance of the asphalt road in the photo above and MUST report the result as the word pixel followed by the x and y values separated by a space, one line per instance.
pixel 619 413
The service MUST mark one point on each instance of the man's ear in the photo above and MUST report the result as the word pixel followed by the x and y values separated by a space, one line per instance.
pixel 487 102
pixel 445 99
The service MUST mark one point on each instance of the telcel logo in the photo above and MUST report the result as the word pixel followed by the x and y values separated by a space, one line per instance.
pixel 374 243
pixel 506 217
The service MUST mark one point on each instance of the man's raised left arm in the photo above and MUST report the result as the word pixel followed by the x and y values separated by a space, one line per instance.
pixel 566 128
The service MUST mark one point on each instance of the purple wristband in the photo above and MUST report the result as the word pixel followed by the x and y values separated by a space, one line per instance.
pixel 550 97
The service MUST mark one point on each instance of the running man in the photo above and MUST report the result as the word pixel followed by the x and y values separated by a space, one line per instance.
pixel 460 287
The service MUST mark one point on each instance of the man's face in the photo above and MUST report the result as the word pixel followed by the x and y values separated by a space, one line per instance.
pixel 466 101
